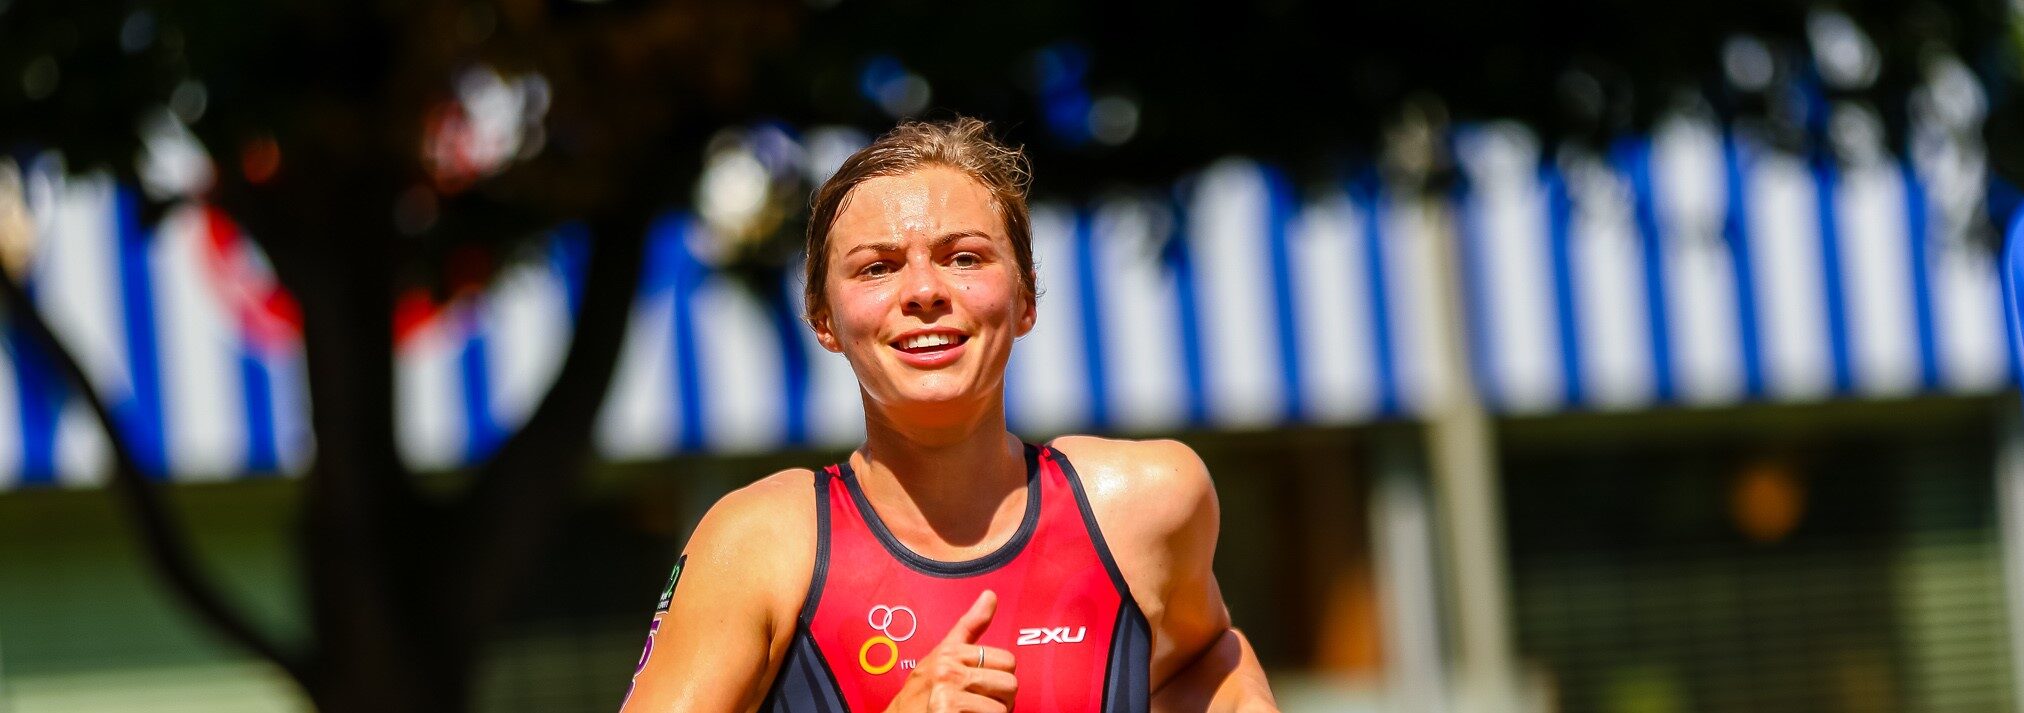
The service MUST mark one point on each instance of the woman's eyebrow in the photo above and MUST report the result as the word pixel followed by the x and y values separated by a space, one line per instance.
pixel 887 247
pixel 938 243
pixel 947 238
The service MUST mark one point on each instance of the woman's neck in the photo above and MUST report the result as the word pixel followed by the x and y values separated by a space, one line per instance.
pixel 963 479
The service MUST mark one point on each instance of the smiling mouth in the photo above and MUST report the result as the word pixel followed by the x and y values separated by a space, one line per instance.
pixel 929 343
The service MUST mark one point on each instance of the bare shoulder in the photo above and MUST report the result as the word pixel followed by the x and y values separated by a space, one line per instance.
pixel 762 508
pixel 759 541
pixel 1161 484
pixel 1157 509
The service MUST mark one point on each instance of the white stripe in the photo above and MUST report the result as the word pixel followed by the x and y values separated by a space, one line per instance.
pixel 288 384
pixel 83 456
pixel 1337 353
pixel 10 424
pixel 740 368
pixel 1411 293
pixel 1689 184
pixel 639 417
pixel 204 415
pixel 1786 265
pixel 1968 312
pixel 1606 259
pixel 1048 369
pixel 1228 239
pixel 1875 261
pixel 1706 336
pixel 1143 358
pixel 1515 265
pixel 77 278
pixel 428 388
pixel 835 405
pixel 527 330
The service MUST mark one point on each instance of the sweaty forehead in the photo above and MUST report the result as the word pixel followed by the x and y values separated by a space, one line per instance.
pixel 925 203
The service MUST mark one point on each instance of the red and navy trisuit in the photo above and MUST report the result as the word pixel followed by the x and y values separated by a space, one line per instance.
pixel 875 607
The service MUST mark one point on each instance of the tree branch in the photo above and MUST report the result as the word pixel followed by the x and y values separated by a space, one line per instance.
pixel 520 492
pixel 161 536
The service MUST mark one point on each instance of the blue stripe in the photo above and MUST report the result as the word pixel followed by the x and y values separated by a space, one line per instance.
pixel 1560 244
pixel 2013 272
pixel 1481 317
pixel 1283 206
pixel 2003 202
pixel 682 274
pixel 569 253
pixel 482 434
pixel 1736 232
pixel 1635 157
pixel 263 452
pixel 1187 303
pixel 39 395
pixel 1917 230
pixel 794 359
pixel 140 416
pixel 1826 177
pixel 1090 309
pixel 1371 192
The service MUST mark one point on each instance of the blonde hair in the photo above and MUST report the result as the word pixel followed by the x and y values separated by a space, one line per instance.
pixel 964 144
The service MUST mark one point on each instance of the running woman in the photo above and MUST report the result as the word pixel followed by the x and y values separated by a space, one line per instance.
pixel 946 565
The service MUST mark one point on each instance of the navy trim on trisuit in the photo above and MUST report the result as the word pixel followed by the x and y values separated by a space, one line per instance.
pixel 821 574
pixel 937 568
pixel 1089 522
pixel 795 688
pixel 1127 682
pixel 805 683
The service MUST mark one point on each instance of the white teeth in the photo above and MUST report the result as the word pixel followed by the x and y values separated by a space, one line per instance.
pixel 927 340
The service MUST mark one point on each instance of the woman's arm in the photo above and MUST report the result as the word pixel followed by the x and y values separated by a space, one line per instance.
pixel 730 613
pixel 1227 678
pixel 1159 513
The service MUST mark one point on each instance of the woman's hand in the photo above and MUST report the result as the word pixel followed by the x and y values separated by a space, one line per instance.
pixel 960 674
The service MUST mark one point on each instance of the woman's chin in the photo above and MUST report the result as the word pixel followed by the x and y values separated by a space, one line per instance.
pixel 934 398
pixel 927 399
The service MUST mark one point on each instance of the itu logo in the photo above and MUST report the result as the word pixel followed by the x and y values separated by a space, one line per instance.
pixel 889 622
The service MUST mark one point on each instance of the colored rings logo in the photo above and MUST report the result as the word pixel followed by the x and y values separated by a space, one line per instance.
pixel 883 619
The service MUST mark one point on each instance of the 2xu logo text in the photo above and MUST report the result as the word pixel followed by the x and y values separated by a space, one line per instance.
pixel 1054 635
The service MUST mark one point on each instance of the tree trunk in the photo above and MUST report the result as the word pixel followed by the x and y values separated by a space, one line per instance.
pixel 403 589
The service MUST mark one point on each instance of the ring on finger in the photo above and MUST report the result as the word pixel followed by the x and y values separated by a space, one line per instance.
pixel 980 657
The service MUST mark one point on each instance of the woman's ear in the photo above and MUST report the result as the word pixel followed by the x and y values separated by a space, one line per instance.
pixel 823 334
pixel 1031 314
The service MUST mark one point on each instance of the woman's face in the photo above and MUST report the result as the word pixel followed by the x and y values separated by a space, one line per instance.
pixel 923 288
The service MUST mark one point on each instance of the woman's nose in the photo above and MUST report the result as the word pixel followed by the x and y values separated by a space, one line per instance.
pixel 925 291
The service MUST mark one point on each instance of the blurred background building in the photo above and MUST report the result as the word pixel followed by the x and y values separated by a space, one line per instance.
pixel 1715 414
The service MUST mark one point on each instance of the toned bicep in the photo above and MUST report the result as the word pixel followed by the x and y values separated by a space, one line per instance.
pixel 730 611
pixel 711 649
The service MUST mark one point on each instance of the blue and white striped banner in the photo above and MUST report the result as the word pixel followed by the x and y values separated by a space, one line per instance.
pixel 1696 267
pixel 1702 268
